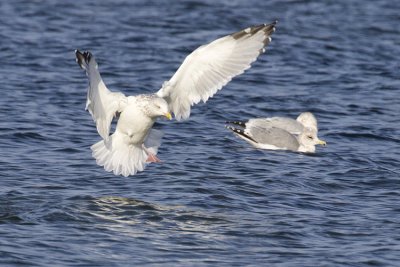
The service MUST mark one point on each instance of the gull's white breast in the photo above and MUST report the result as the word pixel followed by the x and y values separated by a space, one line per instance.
pixel 134 123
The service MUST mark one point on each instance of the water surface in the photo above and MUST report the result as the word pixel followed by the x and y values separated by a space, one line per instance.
pixel 214 201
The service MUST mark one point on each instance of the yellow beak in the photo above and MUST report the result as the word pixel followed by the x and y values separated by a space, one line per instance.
pixel 321 142
pixel 168 115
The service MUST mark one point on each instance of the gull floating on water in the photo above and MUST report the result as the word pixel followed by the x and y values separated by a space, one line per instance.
pixel 205 71
pixel 280 133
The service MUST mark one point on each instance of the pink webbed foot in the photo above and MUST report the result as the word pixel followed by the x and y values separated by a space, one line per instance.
pixel 152 158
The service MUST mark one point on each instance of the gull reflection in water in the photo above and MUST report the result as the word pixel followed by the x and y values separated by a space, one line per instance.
pixel 125 215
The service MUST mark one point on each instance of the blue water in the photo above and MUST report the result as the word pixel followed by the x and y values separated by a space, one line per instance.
pixel 214 201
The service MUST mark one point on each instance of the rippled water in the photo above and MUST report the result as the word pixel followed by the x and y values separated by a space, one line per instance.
pixel 214 200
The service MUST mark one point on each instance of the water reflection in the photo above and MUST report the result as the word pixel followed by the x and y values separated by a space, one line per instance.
pixel 120 212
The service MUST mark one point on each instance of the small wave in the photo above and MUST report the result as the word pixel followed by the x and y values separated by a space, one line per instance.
pixel 29 135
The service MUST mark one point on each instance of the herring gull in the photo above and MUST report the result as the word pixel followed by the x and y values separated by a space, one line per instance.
pixel 206 70
pixel 280 133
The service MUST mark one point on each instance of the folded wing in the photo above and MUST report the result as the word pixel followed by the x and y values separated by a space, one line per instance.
pixel 287 124
pixel 101 103
pixel 207 69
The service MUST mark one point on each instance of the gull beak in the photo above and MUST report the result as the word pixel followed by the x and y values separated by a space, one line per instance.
pixel 321 142
pixel 168 115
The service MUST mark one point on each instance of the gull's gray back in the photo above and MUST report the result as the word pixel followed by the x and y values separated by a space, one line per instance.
pixel 288 124
pixel 274 136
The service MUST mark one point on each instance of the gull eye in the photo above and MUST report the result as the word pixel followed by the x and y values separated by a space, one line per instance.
pixel 309 137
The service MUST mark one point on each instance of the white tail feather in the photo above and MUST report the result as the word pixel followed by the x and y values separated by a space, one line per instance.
pixel 118 156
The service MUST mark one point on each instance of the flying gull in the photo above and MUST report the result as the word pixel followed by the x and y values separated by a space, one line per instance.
pixel 206 70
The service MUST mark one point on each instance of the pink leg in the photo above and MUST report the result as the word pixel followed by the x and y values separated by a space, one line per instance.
pixel 150 156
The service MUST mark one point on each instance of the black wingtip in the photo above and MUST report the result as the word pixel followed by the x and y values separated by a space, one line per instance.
pixel 270 25
pixel 240 132
pixel 83 59
pixel 240 123
pixel 267 29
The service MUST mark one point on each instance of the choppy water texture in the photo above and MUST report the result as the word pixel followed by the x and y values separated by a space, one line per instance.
pixel 214 200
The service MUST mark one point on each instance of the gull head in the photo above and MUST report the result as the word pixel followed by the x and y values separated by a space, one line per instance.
pixel 158 107
pixel 308 139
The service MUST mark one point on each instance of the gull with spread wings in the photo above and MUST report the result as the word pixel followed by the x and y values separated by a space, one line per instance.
pixel 205 71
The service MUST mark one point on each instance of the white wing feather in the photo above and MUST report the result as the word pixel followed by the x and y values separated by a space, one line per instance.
pixel 101 103
pixel 207 69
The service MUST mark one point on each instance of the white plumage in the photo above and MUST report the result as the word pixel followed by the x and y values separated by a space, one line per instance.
pixel 205 71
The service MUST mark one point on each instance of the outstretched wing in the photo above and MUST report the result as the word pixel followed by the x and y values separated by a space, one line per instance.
pixel 207 69
pixel 101 103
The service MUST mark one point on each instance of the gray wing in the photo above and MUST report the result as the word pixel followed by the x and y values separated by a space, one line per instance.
pixel 287 124
pixel 273 136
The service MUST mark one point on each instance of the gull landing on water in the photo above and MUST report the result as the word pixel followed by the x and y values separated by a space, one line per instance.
pixel 205 71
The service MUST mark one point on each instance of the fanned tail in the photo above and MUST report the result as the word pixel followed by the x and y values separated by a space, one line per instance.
pixel 116 156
